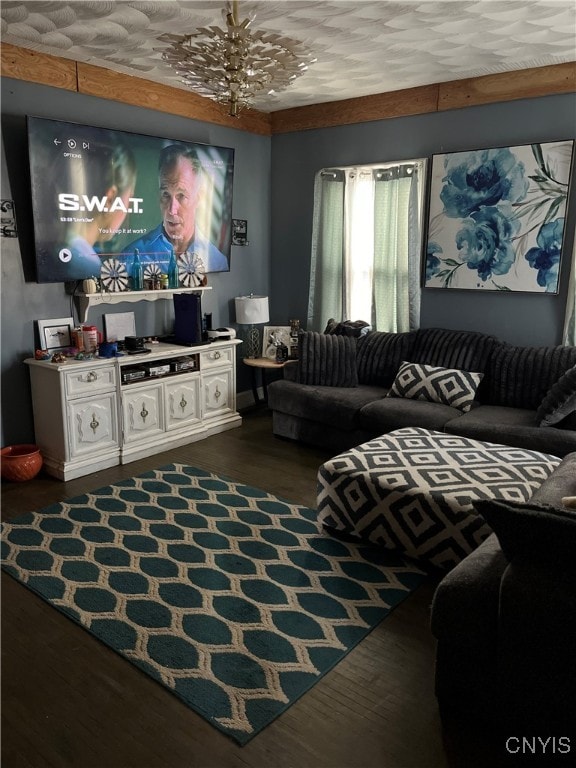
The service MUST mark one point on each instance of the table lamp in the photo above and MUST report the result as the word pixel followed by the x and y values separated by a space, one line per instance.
pixel 252 310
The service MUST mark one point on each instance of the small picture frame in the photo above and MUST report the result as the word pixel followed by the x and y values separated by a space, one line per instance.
pixel 239 232
pixel 55 334
pixel 118 325
pixel 274 332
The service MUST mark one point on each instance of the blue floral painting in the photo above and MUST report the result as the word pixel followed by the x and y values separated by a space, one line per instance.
pixel 496 218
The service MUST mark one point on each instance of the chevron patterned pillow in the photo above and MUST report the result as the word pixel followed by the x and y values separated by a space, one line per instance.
pixel 437 385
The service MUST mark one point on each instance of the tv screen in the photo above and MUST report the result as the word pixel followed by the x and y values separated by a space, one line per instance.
pixel 100 195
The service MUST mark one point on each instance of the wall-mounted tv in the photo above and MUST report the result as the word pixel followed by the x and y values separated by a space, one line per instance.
pixel 99 195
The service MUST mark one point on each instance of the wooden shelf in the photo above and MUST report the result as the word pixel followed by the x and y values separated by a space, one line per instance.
pixel 87 300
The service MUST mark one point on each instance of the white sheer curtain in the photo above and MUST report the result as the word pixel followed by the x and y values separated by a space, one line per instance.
pixel 366 246
pixel 358 240
pixel 570 322
pixel 397 247
pixel 325 299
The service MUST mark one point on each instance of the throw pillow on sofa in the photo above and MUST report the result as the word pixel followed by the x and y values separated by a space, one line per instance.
pixel 327 360
pixel 560 400
pixel 354 328
pixel 540 533
pixel 437 385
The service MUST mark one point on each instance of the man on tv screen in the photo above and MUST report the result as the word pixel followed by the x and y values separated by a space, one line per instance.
pixel 180 177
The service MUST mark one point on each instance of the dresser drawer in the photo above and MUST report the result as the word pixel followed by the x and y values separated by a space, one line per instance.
pixel 86 381
pixel 215 358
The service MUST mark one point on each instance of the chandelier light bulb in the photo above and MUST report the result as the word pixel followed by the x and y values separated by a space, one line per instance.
pixel 232 66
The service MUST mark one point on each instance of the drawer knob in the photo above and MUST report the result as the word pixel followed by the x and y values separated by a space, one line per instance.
pixel 144 413
pixel 217 355
pixel 183 403
pixel 92 376
pixel 94 424
pixel 217 394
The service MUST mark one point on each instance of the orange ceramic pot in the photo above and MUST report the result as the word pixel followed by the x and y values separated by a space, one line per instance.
pixel 20 462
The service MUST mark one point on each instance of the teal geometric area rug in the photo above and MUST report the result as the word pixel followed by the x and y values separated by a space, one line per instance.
pixel 233 599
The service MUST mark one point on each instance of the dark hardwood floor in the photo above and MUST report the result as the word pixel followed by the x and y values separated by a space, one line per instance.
pixel 69 701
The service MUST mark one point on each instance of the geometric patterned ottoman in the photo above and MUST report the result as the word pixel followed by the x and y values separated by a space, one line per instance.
pixel 413 490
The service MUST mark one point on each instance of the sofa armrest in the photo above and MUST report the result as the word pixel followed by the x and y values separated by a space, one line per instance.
pixel 562 482
pixel 464 620
pixel 466 600
pixel 537 638
pixel 290 370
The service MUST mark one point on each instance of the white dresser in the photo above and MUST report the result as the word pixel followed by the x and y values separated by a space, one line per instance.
pixel 97 413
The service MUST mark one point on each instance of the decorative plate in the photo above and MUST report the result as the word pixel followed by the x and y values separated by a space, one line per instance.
pixel 152 271
pixel 191 270
pixel 114 275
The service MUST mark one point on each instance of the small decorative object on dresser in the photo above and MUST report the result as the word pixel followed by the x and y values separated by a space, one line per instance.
pixel 55 334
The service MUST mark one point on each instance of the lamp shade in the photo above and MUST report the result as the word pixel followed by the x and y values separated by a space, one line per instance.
pixel 251 310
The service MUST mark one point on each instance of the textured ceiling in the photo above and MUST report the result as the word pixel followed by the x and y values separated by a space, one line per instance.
pixel 362 47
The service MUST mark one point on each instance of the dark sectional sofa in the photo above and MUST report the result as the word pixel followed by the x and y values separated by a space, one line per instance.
pixel 504 617
pixel 508 408
pixel 505 621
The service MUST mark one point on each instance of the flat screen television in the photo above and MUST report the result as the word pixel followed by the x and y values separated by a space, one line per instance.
pixel 99 195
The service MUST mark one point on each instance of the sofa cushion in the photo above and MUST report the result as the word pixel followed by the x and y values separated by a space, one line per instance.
pixel 520 377
pixel 380 354
pixel 387 414
pixel 329 437
pixel 437 385
pixel 541 534
pixel 560 400
pixel 326 405
pixel 327 360
pixel 464 350
pixel 512 426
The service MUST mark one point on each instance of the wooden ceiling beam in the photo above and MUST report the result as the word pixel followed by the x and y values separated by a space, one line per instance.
pixel 508 86
pixel 456 94
pixel 115 86
pixel 36 67
pixel 412 101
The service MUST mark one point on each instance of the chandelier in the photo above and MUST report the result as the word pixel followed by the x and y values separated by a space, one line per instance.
pixel 233 65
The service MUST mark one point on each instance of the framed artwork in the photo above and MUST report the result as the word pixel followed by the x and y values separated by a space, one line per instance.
pixel 55 334
pixel 273 333
pixel 496 218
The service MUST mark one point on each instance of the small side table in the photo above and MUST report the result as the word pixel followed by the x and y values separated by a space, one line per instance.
pixel 263 364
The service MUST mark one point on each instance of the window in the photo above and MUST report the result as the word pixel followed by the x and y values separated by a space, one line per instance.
pixel 366 245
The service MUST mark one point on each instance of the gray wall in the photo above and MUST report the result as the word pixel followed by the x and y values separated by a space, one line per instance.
pixel 24 301
pixel 520 318
pixel 273 184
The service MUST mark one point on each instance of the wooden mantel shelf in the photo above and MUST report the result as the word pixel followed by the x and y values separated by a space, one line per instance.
pixel 87 300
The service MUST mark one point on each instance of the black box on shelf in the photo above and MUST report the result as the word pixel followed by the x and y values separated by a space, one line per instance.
pixel 160 369
pixel 184 364
pixel 134 344
pixel 133 374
